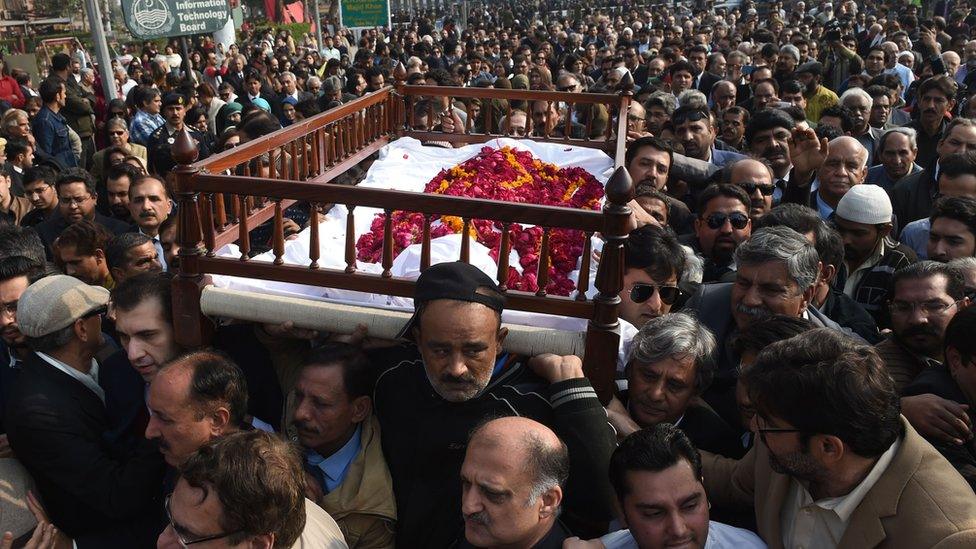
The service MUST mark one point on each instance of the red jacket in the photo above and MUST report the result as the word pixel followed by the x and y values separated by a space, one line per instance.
pixel 10 92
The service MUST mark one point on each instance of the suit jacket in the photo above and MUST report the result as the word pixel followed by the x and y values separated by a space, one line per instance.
pixel 101 492
pixel 919 500
pixel 913 195
pixel 706 81
pixel 16 179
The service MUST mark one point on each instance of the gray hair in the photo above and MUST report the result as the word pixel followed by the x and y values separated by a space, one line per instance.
pixel 963 263
pixel 737 54
pixel 550 465
pixel 660 99
pixel 792 50
pixel 855 92
pixel 910 133
pixel 782 243
pixel 52 341
pixel 694 267
pixel 692 98
pixel 313 80
pixel 676 335
pixel 287 75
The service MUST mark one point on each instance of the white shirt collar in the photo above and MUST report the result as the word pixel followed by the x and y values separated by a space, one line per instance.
pixel 89 380
pixel 844 506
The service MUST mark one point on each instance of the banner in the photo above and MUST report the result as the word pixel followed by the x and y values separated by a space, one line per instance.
pixel 364 14
pixel 149 19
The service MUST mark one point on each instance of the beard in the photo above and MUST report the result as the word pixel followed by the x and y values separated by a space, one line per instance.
pixel 119 211
pixel 908 336
pixel 799 465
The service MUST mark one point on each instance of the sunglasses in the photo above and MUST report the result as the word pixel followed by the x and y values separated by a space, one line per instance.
pixel 116 133
pixel 641 292
pixel 96 312
pixel 717 220
pixel 690 116
pixel 749 188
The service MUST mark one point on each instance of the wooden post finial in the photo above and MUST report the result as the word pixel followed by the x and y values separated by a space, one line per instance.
pixel 185 149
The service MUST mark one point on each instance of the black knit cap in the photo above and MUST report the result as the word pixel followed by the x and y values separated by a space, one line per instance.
pixel 457 281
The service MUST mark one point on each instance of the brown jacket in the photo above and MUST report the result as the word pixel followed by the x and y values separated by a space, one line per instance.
pixel 919 501
pixel 363 504
pixel 903 365
pixel 18 208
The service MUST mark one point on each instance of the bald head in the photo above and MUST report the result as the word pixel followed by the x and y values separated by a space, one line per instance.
pixel 847 147
pixel 844 167
pixel 756 179
pixel 511 483
pixel 514 434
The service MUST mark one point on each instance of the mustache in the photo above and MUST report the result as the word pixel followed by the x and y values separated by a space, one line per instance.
pixel 921 329
pixel 755 312
pixel 303 426
pixel 147 214
pixel 481 518
pixel 466 379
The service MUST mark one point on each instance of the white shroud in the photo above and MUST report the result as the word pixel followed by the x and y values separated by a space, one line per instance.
pixel 403 165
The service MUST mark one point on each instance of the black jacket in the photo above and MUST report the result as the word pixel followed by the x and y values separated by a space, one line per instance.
pixel 102 492
pixel 424 441
pixel 913 195
pixel 843 310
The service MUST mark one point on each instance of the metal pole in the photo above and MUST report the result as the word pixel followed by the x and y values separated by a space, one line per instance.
pixel 318 26
pixel 101 50
pixel 464 15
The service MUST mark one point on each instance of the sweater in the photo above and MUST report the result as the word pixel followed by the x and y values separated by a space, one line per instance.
pixel 424 440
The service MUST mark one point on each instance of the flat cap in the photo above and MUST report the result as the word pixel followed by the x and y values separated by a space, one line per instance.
pixel 55 302
pixel 812 67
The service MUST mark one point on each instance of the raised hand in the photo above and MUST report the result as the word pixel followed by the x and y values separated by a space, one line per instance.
pixel 807 151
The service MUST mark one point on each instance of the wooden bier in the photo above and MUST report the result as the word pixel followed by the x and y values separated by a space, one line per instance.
pixel 222 198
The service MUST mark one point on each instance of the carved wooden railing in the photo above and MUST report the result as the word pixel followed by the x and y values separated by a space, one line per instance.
pixel 313 153
pixel 581 104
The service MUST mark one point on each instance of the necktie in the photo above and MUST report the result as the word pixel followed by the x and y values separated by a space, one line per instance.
pixel 312 464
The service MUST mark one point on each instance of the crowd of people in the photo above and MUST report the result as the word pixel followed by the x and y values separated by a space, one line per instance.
pixel 800 273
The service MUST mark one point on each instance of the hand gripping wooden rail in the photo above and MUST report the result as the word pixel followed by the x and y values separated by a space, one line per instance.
pixel 342 318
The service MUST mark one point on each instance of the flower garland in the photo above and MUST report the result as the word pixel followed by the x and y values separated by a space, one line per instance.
pixel 507 175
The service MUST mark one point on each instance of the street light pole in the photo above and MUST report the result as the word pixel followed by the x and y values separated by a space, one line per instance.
pixel 318 26
pixel 101 49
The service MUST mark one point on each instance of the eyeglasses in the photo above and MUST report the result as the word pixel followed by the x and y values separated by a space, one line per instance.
pixel 762 431
pixel 634 118
pixel 116 133
pixel 749 188
pixel 931 308
pixel 717 220
pixel 182 539
pixel 567 88
pixel 641 292
pixel 96 312
pixel 74 200
pixel 39 191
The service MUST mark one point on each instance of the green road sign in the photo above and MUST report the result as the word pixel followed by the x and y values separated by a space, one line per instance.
pixel 362 14
pixel 148 19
